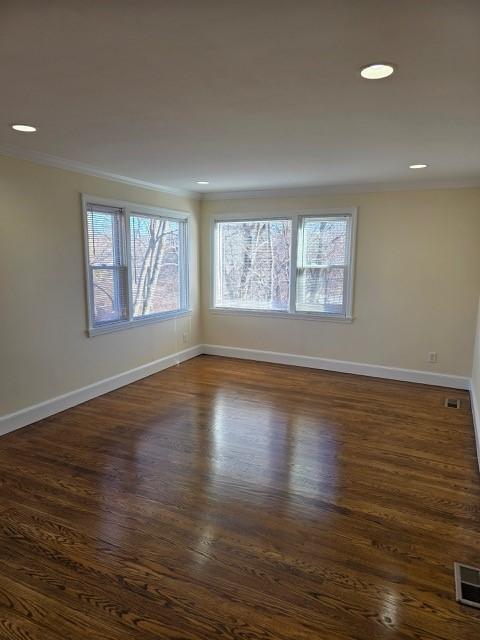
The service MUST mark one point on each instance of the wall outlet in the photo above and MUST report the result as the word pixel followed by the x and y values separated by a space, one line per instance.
pixel 185 337
pixel 432 356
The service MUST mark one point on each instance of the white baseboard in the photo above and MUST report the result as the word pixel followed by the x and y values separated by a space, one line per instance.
pixel 343 366
pixel 475 402
pixel 31 414
pixel 21 418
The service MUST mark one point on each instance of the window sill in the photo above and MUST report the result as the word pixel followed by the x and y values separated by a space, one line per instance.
pixel 301 315
pixel 140 322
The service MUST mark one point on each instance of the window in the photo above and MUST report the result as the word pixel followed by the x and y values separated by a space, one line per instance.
pixel 252 265
pixel 107 265
pixel 137 264
pixel 155 259
pixel 323 261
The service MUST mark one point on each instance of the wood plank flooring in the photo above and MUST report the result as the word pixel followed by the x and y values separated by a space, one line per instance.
pixel 231 499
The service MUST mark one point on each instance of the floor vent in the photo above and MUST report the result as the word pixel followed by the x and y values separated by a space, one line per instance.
pixel 467 585
pixel 452 403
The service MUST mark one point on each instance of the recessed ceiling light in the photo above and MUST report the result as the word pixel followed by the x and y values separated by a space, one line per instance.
pixel 377 71
pixel 418 166
pixel 24 128
pixel 202 182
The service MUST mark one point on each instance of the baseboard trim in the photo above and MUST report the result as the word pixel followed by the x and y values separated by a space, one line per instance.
pixel 342 366
pixel 31 414
pixel 21 418
pixel 475 403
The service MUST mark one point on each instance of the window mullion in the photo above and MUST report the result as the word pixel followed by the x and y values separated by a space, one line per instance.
pixel 219 261
pixel 184 267
pixel 181 265
pixel 90 289
pixel 296 229
pixel 346 287
pixel 127 261
pixel 117 262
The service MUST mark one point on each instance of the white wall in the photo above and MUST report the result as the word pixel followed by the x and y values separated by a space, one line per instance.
pixel 417 283
pixel 416 286
pixel 44 349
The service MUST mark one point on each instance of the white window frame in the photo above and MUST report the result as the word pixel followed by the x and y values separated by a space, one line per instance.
pixel 129 209
pixel 296 219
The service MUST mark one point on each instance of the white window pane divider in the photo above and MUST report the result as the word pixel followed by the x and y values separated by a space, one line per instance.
pixel 293 262
pixel 127 236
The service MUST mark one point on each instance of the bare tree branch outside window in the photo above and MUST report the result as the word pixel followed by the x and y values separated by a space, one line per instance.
pixel 253 264
pixel 155 265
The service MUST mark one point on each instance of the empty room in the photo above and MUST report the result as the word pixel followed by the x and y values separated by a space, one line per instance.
pixel 240 328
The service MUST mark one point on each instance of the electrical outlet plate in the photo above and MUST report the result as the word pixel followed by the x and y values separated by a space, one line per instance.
pixel 452 403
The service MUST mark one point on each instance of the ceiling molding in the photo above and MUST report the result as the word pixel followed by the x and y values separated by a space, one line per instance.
pixel 278 192
pixel 89 170
pixel 343 189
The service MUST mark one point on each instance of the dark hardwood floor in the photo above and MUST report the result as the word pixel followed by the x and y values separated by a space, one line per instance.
pixel 232 499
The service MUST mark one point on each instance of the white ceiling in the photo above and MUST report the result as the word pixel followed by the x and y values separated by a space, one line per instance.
pixel 247 94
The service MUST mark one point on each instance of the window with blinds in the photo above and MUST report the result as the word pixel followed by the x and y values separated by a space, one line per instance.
pixel 137 265
pixel 323 263
pixel 107 269
pixel 252 264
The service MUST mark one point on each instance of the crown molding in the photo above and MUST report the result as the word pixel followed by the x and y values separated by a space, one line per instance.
pixel 89 170
pixel 341 189
pixel 307 190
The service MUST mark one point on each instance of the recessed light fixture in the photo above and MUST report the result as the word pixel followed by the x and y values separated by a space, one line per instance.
pixel 203 182
pixel 377 71
pixel 418 166
pixel 24 128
